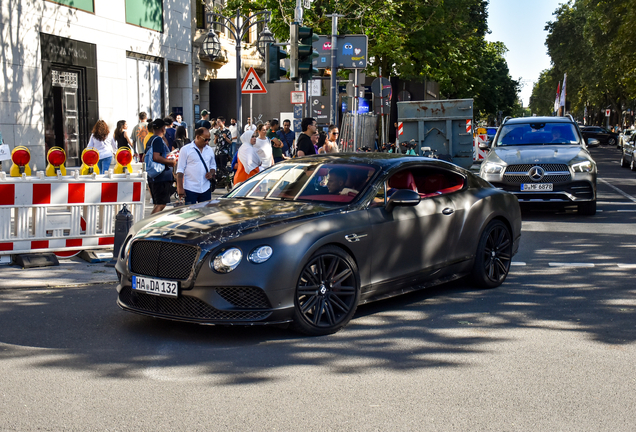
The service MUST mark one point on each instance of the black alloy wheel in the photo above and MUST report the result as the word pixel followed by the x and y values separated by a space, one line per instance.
pixel 494 255
pixel 632 166
pixel 611 141
pixel 327 292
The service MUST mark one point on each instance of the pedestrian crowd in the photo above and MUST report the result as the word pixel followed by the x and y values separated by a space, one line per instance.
pixel 174 163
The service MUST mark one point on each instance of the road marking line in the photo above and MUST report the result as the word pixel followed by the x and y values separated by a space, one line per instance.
pixel 626 211
pixel 626 195
pixel 614 203
pixel 517 263
pixel 571 264
pixel 626 266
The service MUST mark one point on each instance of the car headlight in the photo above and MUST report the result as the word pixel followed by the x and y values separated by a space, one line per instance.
pixel 260 254
pixel 227 260
pixel 492 168
pixel 582 167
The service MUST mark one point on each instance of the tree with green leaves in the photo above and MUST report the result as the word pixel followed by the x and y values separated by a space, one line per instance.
pixel 437 40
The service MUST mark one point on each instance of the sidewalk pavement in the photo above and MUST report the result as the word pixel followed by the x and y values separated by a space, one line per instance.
pixel 71 272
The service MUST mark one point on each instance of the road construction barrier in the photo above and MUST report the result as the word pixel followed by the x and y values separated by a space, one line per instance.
pixel 479 154
pixel 65 214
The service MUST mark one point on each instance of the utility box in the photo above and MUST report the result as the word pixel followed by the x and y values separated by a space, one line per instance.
pixel 443 125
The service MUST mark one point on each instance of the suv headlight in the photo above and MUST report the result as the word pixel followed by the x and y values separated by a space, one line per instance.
pixel 227 260
pixel 582 167
pixel 492 168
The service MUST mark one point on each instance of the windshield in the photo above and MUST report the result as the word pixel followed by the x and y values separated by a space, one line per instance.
pixel 340 183
pixel 537 133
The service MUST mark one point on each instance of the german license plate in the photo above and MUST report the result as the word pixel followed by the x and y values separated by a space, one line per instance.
pixel 153 286
pixel 536 187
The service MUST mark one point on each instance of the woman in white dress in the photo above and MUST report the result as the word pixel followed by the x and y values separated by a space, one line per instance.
pixel 264 147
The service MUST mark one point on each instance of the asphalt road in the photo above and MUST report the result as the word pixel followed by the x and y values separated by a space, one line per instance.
pixel 553 349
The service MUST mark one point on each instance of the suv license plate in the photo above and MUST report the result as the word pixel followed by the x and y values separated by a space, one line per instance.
pixel 536 187
pixel 153 286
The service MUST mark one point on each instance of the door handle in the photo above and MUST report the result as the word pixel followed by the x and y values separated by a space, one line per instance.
pixel 448 211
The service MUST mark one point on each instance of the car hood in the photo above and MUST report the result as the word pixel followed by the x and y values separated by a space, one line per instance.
pixel 532 154
pixel 225 219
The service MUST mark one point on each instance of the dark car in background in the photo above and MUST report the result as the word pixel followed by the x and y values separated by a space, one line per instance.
pixel 309 239
pixel 543 160
pixel 601 134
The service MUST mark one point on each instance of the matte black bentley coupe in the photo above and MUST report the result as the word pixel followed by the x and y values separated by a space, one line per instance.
pixel 309 239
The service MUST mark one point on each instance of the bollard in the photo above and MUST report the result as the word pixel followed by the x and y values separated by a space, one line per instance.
pixel 123 222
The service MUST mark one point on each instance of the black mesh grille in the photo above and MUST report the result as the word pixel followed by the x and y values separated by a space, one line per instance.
pixel 162 259
pixel 524 168
pixel 522 178
pixel 184 307
pixel 244 297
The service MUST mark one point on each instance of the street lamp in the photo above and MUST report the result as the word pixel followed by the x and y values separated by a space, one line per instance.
pixel 237 30
pixel 266 37
pixel 212 46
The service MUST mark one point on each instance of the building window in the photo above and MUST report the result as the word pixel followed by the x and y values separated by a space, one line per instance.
pixel 144 87
pixel 200 14
pixel 145 13
pixel 85 5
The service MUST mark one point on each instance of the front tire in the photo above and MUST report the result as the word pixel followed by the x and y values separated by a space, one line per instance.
pixel 611 141
pixel 632 166
pixel 494 255
pixel 587 209
pixel 327 292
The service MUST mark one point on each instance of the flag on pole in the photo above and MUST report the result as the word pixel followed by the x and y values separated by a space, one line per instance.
pixel 558 95
pixel 563 93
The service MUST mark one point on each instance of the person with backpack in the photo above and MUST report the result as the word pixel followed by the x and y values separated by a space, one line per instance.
pixel 138 136
pixel 159 167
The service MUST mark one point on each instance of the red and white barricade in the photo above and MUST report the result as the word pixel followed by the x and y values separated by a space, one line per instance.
pixel 65 214
pixel 479 154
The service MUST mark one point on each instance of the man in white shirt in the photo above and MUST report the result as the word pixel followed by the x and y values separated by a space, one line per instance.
pixel 249 126
pixel 196 169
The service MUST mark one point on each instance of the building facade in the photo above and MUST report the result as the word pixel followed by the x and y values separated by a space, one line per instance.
pixel 68 63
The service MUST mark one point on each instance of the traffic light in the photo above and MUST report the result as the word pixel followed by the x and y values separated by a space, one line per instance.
pixel 303 52
pixel 274 70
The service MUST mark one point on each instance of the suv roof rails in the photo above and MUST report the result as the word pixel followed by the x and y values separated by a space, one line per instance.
pixel 506 119
pixel 571 118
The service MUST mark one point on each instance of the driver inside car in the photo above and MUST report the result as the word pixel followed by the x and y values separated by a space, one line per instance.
pixel 336 182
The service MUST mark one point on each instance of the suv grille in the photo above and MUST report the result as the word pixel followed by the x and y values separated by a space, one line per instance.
pixel 526 167
pixel 554 173
pixel 184 307
pixel 162 259
pixel 244 297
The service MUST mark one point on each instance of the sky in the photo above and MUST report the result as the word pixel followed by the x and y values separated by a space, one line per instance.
pixel 519 24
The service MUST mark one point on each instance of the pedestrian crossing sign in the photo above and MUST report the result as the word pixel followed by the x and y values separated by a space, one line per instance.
pixel 252 84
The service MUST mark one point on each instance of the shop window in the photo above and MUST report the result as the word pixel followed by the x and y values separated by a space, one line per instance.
pixel 145 13
pixel 85 5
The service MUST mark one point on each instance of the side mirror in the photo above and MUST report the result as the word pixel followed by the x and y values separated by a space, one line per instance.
pixel 403 197
pixel 485 146
pixel 592 142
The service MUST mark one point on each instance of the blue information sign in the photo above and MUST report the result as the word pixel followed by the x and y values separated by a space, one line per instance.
pixel 298 111
pixel 351 52
pixel 297 125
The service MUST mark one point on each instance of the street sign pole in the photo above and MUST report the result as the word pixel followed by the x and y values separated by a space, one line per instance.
pixel 381 108
pixel 333 113
pixel 355 112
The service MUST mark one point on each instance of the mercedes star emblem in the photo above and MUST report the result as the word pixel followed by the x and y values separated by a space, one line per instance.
pixel 536 173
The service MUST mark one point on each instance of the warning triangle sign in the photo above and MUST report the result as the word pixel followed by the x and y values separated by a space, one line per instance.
pixel 252 84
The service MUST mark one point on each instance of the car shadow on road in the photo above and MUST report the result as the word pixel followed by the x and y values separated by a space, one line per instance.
pixel 443 327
